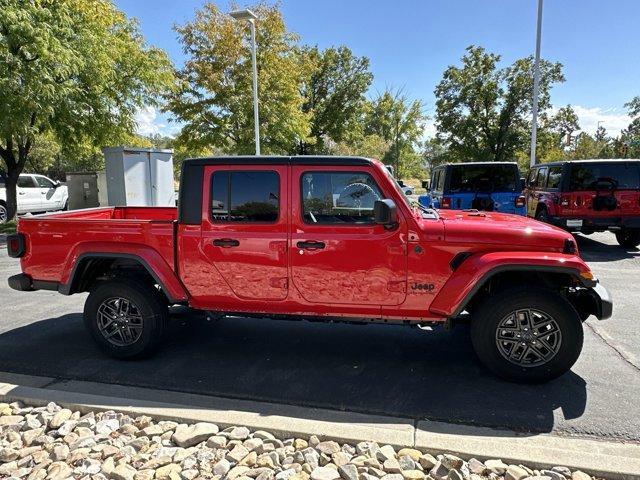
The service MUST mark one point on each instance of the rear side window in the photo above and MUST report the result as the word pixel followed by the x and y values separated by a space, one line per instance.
pixel 245 196
pixel 338 197
pixel 483 178
pixel 26 181
pixel 593 176
pixel 555 176
pixel 541 178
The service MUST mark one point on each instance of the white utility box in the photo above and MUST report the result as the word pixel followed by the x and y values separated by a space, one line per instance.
pixel 139 177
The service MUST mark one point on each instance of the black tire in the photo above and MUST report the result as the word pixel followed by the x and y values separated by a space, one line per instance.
pixel 497 308
pixel 542 215
pixel 149 312
pixel 4 213
pixel 628 238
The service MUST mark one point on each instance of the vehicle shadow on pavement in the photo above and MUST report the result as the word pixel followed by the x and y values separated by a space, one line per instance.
pixel 381 369
pixel 595 250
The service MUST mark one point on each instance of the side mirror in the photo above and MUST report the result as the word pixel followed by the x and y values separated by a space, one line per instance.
pixel 57 184
pixel 385 212
pixel 425 184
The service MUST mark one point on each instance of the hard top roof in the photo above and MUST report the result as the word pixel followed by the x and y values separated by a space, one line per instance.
pixel 281 160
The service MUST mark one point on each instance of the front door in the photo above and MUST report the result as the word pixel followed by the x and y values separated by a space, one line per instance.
pixel 244 232
pixel 338 254
pixel 50 196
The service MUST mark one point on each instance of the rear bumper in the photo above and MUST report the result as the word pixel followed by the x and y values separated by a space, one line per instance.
pixel 579 224
pixel 24 283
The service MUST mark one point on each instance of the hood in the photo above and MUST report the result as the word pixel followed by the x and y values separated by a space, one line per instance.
pixel 501 229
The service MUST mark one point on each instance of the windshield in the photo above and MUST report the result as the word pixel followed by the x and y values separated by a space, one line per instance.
pixel 590 176
pixel 483 178
pixel 397 186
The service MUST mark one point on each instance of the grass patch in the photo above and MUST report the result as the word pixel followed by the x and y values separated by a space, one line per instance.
pixel 9 227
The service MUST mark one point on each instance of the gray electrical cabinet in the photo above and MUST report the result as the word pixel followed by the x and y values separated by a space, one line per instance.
pixel 83 190
pixel 139 177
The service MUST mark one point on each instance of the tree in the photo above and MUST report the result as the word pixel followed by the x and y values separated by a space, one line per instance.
pixel 214 96
pixel 564 123
pixel 400 122
pixel 482 111
pixel 71 70
pixel 334 90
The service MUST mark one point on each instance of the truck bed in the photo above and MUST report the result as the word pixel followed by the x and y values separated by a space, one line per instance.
pixel 55 241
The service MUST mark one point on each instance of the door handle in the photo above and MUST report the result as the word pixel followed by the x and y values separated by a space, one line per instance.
pixel 226 242
pixel 310 245
pixel 22 193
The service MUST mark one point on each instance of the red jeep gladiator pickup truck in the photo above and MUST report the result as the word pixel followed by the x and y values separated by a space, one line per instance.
pixel 313 238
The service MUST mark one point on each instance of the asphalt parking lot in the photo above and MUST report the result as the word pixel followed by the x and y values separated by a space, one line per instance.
pixel 373 369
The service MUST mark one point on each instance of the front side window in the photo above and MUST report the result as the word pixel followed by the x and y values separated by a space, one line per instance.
pixel 531 181
pixel 44 182
pixel 243 196
pixel 440 184
pixel 339 197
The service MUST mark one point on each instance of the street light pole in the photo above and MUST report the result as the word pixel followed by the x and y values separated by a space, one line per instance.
pixel 250 17
pixel 536 87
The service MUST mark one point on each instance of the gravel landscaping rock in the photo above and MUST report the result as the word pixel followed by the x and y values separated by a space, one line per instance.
pixel 54 443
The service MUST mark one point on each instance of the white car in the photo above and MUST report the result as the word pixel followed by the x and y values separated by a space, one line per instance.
pixel 35 193
pixel 407 190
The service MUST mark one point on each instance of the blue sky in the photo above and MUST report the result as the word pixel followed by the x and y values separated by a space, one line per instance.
pixel 410 43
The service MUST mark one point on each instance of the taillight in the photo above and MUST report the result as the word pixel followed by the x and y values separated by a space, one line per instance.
pixel 446 202
pixel 520 201
pixel 16 245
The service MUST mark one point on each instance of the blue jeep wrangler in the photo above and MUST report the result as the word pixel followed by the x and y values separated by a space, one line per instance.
pixel 488 186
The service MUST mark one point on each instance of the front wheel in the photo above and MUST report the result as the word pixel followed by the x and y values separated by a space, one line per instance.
pixel 527 335
pixel 125 317
pixel 628 238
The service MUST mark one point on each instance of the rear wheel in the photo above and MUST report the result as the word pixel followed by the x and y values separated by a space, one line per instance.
pixel 527 335
pixel 125 317
pixel 4 214
pixel 542 215
pixel 628 238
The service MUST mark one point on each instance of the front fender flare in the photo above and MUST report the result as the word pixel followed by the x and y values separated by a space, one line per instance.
pixel 477 269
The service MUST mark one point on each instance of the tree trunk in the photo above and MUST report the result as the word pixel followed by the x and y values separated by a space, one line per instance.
pixel 10 183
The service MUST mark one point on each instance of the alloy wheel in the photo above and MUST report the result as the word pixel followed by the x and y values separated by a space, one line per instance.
pixel 120 321
pixel 528 337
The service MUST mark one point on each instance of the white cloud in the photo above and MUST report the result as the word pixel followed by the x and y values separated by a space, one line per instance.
pixel 612 119
pixel 151 122
pixel 429 128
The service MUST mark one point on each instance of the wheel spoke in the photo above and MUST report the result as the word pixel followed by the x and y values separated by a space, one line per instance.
pixel 119 321
pixel 528 337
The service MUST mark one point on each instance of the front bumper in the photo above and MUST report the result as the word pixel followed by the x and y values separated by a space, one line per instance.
pixel 592 300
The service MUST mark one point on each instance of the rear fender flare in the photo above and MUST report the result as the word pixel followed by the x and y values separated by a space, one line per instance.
pixel 477 270
pixel 149 258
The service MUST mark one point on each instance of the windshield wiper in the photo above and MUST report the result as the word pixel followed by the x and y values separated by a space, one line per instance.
pixel 429 210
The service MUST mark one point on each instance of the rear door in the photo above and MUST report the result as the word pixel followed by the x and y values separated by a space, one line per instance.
pixel 338 255
pixel 28 195
pixel 244 231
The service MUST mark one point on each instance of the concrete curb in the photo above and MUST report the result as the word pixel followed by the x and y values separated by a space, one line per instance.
pixel 611 460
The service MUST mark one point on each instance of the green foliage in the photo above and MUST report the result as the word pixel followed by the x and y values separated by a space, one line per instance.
pixel 399 122
pixel 482 110
pixel 334 90
pixel 9 227
pixel 214 96
pixel 73 72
